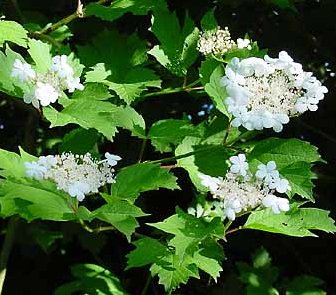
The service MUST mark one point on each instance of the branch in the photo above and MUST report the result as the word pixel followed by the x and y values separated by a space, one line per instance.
pixel 68 19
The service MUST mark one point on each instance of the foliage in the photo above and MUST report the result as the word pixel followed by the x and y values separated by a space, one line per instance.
pixel 121 71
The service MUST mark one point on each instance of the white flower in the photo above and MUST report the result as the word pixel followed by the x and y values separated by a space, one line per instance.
pixel 35 170
pixel 239 165
pixel 280 185
pixel 267 172
pixel 78 190
pixel 276 204
pixel 244 43
pixel 45 93
pixel 29 97
pixel 231 208
pixel 112 159
pixel 304 104
pixel 47 161
pixel 271 90
pixel 212 183
pixel 61 67
pixel 22 71
pixel 73 84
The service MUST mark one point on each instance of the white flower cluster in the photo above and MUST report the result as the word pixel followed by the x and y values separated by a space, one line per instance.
pixel 240 191
pixel 78 175
pixel 265 93
pixel 220 42
pixel 45 88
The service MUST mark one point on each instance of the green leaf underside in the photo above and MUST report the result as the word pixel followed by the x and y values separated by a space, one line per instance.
pixel 297 222
pixel 144 177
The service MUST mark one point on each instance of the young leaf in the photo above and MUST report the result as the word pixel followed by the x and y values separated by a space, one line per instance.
pixel 143 177
pixel 91 279
pixel 13 32
pixel 121 214
pixel 297 222
pixel 209 22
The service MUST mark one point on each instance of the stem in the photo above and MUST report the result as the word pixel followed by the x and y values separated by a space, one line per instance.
pixel 144 290
pixel 95 230
pixel 174 90
pixel 6 249
pixel 227 133
pixel 233 230
pixel 142 150
pixel 67 20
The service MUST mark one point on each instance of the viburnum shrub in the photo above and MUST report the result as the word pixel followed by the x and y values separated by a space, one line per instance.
pixel 243 177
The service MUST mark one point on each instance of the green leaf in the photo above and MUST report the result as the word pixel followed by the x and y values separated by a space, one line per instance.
pixel 143 177
pixel 215 90
pixel 79 141
pixel 119 63
pixel 189 231
pixel 92 91
pixel 204 158
pixel 297 222
pixel 34 200
pixel 208 66
pixel 40 53
pixel 147 251
pixel 7 83
pixel 100 115
pixel 292 157
pixel 176 273
pixel 285 4
pixel 45 238
pixel 91 279
pixel 299 176
pixel 208 265
pixel 283 151
pixel 98 73
pixel 177 51
pixel 305 285
pixel 209 22
pixel 121 214
pixel 259 277
pixel 119 7
pixel 165 134
pixel 11 164
pixel 13 32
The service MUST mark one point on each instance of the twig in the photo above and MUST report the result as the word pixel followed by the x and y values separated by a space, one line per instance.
pixel 233 230
pixel 95 230
pixel 6 249
pixel 67 19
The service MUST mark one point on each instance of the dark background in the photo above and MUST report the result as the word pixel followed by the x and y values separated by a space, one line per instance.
pixel 309 36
